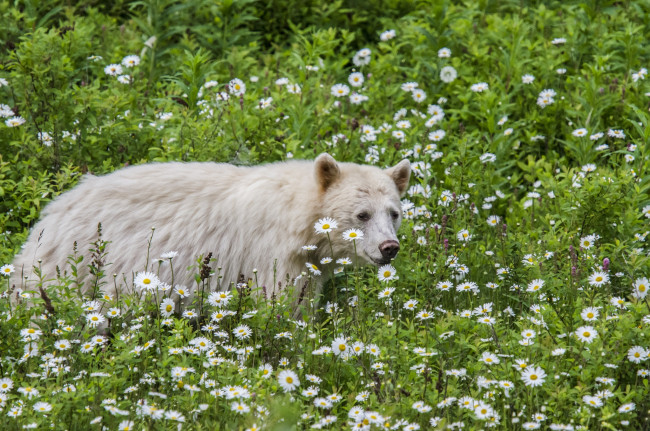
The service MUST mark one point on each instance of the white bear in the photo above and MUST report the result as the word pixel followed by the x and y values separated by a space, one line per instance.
pixel 249 218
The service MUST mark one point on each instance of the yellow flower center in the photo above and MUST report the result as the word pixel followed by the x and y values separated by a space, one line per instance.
pixel 353 234
pixel 533 377
pixel 289 380
pixel 326 226
pixel 315 267
pixel 168 308
pixel 642 288
pixel 599 278
pixel 488 359
pixel 586 334
pixel 590 315
pixel 386 274
pixel 341 347
pixel 146 281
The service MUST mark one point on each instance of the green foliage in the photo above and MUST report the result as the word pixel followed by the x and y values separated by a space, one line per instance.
pixel 247 82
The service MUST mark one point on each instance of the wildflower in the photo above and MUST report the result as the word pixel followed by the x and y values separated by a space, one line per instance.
pixel 640 288
pixel 587 242
pixel 418 95
pixel 325 225
pixel 313 268
pixel 590 313
pixel 147 281
pixel 437 135
pixel 7 269
pixel 619 134
pixel 387 273
pixel 126 426
pixel 113 70
pixel 387 35
pixel 535 285
pixel 340 347
pixel 480 87
pixel 533 376
pixel 62 345
pixel 237 87
pixel 386 292
pixel 579 133
pixel 527 79
pixel 489 358
pixel 167 307
pixel 637 354
pixel 424 315
pixel 242 332
pixel 411 304
pixel 288 380
pixel 184 292
pixel 592 401
pixel 130 61
pixel 15 121
pixel 598 278
pixel 464 235
pixel 626 408
pixel 95 319
pixel 448 74
pixel 586 334
pixel 6 384
pixel 42 407
pixel 239 407
pixel 340 90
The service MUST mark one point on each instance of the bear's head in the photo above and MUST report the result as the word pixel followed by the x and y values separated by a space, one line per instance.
pixel 365 198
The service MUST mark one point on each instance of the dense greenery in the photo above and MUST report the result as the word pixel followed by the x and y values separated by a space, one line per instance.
pixel 528 129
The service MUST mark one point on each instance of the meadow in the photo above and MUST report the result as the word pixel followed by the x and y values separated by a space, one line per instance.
pixel 518 300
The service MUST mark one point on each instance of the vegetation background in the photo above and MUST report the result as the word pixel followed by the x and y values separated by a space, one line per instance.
pixel 544 125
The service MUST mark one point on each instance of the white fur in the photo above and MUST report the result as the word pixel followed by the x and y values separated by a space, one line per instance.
pixel 248 217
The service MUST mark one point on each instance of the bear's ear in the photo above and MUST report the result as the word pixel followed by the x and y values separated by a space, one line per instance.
pixel 326 171
pixel 400 173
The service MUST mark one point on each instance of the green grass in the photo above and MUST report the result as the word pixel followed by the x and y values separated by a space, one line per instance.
pixel 572 206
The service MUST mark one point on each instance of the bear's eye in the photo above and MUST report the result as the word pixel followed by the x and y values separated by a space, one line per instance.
pixel 394 214
pixel 364 216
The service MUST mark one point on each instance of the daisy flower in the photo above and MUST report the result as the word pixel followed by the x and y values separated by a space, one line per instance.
pixel 340 90
pixel 7 269
pixel 590 313
pixel 15 121
pixel 533 376
pixel 325 225
pixel 579 133
pixel 527 79
pixel 387 273
pixel 288 380
pixel 437 135
pixel 448 74
pixel 237 87
pixel 464 235
pixel 586 334
pixel 340 346
pixel 95 319
pixel 242 332
pixel 535 285
pixel 146 281
pixel 598 278
pixel 113 70
pixel 489 358
pixel 640 288
pixel 313 268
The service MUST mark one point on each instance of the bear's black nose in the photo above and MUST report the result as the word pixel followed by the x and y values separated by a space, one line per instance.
pixel 389 249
